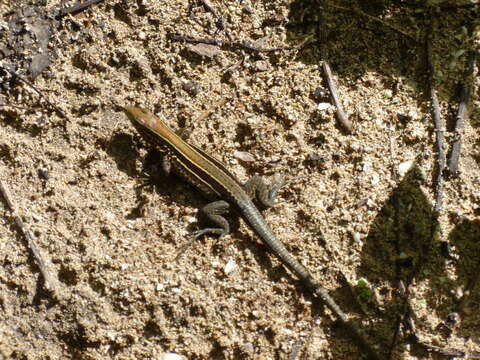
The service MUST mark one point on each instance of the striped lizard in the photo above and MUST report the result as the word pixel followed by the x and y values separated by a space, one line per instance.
pixel 212 178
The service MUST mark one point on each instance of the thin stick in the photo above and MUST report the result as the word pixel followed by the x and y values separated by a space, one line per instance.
pixel 462 113
pixel 450 352
pixel 54 107
pixel 51 282
pixel 439 125
pixel 341 116
pixel 242 45
pixel 76 8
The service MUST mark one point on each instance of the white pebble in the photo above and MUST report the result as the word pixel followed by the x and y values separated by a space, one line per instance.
pixel 171 356
pixel 323 106
pixel 356 237
pixel 230 267
pixel 404 167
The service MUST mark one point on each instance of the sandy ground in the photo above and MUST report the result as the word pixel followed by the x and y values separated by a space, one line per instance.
pixel 362 208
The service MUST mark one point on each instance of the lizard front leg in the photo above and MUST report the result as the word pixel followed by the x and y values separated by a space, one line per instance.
pixel 213 212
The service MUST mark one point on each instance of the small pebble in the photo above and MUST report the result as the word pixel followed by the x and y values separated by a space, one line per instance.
pixel 171 356
pixel 191 87
pixel 404 167
pixel 176 291
pixel 244 156
pixel 109 216
pixel 44 173
pixel 319 93
pixel 356 237
pixel 403 118
pixel 230 267
pixel 247 348
pixel 204 50
pixel 323 106
pixel 261 65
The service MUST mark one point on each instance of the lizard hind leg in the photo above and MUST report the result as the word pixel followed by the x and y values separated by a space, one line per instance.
pixel 265 193
pixel 213 212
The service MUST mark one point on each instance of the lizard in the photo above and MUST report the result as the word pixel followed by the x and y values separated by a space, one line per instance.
pixel 213 179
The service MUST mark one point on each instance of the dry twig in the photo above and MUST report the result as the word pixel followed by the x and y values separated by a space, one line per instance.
pixel 76 8
pixel 239 44
pixel 437 118
pixel 341 116
pixel 449 352
pixel 461 114
pixel 21 78
pixel 51 281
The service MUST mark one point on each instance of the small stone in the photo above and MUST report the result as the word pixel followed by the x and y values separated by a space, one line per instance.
pixel 404 118
pixel 356 237
pixel 404 167
pixel 230 267
pixel 323 106
pixel 191 87
pixel 176 291
pixel 315 158
pixel 247 348
pixel 261 65
pixel 204 50
pixel 244 156
pixel 44 173
pixel 319 93
pixel 171 356
pixel 215 264
pixel 159 287
pixel 256 314
pixel 459 293
pixel 191 219
pixel 109 216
